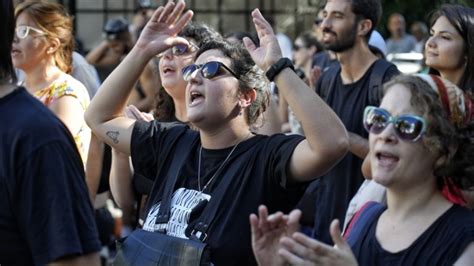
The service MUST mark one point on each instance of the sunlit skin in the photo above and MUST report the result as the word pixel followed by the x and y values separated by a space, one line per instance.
pixel 218 98
pixel 392 159
pixel 337 32
pixel 170 73
pixel 30 53
pixel 445 50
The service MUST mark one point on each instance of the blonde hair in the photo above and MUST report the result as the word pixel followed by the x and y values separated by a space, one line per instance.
pixel 53 19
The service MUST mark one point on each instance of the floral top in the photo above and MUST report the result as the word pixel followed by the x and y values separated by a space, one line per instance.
pixel 66 85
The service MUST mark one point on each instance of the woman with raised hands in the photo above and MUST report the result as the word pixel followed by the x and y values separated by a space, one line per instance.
pixel 421 133
pixel 222 163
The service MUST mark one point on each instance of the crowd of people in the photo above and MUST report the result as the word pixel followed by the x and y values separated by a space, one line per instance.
pixel 168 134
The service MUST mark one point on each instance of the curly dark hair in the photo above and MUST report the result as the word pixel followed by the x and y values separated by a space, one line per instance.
pixel 442 136
pixel 249 74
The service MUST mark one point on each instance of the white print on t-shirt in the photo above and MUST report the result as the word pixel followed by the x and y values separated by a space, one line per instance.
pixel 182 203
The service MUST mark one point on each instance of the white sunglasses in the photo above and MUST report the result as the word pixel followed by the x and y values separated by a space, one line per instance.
pixel 22 31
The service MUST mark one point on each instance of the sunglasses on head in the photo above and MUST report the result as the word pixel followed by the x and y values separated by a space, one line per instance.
pixel 181 49
pixel 407 127
pixel 22 31
pixel 207 70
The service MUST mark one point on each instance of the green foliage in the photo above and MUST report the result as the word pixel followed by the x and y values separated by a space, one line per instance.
pixel 413 10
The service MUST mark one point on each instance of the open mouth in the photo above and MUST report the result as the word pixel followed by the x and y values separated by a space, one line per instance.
pixel 386 158
pixel 196 96
pixel 167 70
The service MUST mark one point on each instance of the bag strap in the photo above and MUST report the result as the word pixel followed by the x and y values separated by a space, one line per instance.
pixel 181 154
pixel 362 217
pixel 328 80
pixel 379 69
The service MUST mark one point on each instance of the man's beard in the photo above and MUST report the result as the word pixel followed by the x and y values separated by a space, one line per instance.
pixel 344 43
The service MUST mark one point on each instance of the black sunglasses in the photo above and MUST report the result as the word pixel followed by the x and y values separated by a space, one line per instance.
pixel 207 70
pixel 407 127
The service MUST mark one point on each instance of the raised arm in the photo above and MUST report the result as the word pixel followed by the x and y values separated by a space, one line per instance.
pixel 104 114
pixel 326 138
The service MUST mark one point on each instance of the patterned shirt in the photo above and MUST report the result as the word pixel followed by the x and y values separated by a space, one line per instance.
pixel 66 85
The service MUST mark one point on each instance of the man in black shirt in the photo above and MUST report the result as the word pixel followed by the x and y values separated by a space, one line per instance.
pixel 348 88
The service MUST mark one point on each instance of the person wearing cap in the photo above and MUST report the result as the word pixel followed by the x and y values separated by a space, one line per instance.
pixel 116 44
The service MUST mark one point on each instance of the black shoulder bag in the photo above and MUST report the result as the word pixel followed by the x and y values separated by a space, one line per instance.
pixel 156 248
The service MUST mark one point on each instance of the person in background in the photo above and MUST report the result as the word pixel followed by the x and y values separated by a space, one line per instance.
pixel 419 30
pixel 449 51
pixel 304 48
pixel 323 58
pixel 348 87
pixel 447 55
pixel 417 137
pixel 400 41
pixel 46 215
pixel 42 49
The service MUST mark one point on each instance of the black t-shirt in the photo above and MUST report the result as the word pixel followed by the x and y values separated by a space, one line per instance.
pixel 257 168
pixel 45 210
pixel 334 190
pixel 441 244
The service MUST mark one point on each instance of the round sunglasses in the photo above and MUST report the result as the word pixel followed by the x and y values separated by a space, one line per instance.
pixel 22 31
pixel 407 127
pixel 207 70
pixel 181 49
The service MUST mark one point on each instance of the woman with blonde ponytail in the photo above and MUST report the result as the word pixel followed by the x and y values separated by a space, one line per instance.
pixel 42 48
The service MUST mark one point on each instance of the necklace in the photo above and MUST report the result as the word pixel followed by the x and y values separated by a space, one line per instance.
pixel 218 169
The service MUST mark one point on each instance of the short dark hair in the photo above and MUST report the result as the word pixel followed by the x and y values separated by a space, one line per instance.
pixel 462 18
pixel 249 74
pixel 368 9
pixel 7 30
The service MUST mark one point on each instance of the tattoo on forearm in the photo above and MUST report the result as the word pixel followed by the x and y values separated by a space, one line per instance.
pixel 113 135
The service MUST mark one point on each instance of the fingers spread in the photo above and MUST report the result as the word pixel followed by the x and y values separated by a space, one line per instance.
pixel 156 15
pixel 166 12
pixel 183 21
pixel 176 12
pixel 290 258
pixel 249 44
pixel 256 232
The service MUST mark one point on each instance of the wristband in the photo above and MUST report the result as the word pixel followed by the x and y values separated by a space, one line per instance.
pixel 276 68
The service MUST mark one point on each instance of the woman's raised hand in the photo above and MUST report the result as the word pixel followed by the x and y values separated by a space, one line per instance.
pixel 269 51
pixel 163 27
pixel 267 230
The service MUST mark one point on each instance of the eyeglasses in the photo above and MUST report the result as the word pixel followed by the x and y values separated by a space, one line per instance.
pixel 208 70
pixel 22 31
pixel 407 127
pixel 181 49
